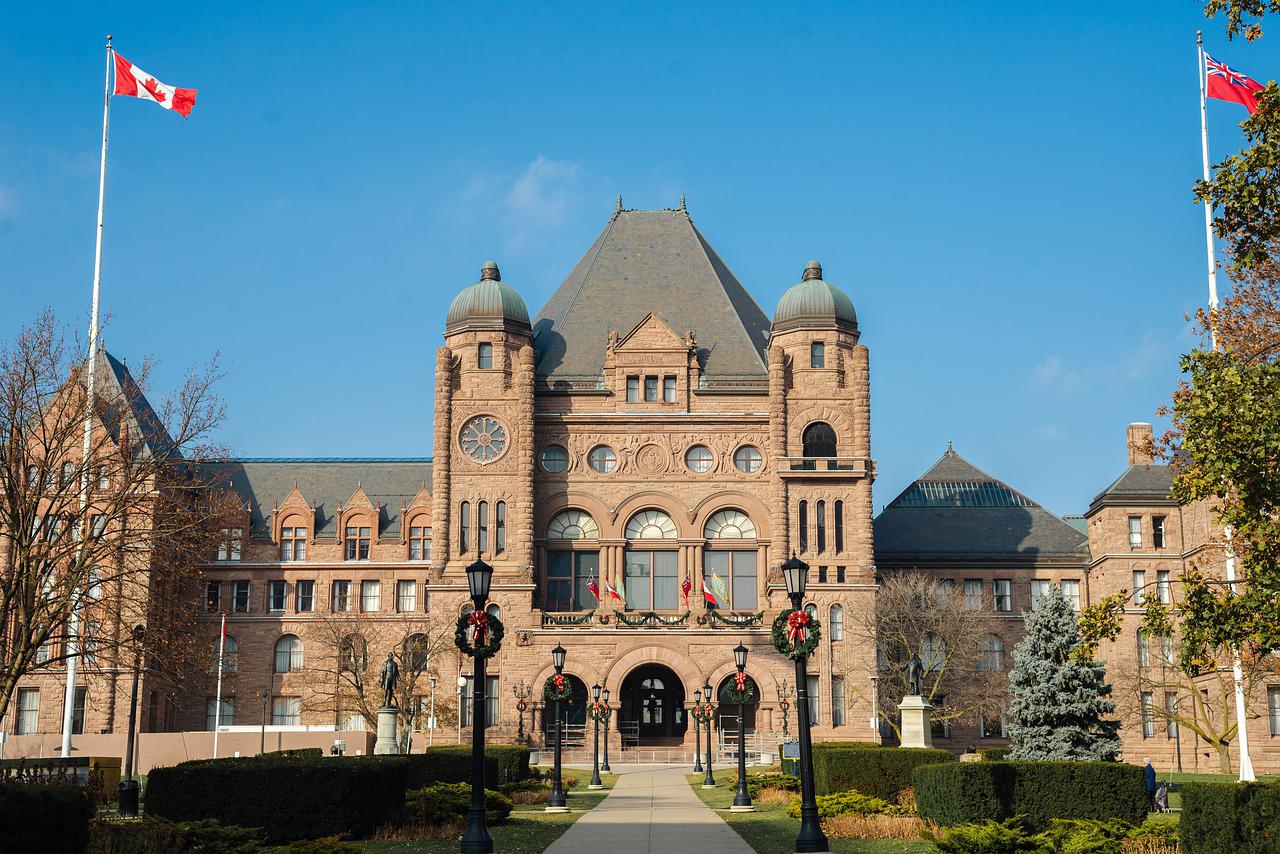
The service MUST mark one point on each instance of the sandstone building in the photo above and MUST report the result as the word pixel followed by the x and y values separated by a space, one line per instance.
pixel 650 426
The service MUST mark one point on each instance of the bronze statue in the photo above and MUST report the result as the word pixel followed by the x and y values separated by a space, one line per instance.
pixel 387 678
pixel 915 676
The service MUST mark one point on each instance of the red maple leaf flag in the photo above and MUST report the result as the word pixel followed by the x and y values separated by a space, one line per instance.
pixel 707 595
pixel 136 83
pixel 1227 84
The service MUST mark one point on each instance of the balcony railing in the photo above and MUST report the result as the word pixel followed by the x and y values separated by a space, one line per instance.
pixel 570 618
pixel 649 619
pixel 843 465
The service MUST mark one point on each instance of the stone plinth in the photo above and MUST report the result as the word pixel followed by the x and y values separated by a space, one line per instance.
pixel 386 742
pixel 916 727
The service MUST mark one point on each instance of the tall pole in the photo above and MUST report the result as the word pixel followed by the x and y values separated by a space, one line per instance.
pixel 73 630
pixel 604 766
pixel 697 731
pixel 595 747
pixel 811 837
pixel 217 700
pixel 477 840
pixel 709 781
pixel 128 787
pixel 1237 672
pixel 555 800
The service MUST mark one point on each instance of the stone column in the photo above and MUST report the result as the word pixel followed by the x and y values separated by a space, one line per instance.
pixel 917 730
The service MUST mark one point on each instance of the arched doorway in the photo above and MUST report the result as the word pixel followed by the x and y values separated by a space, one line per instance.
pixel 727 710
pixel 653 705
pixel 573 713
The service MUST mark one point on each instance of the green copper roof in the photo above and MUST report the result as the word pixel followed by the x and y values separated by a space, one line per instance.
pixel 814 302
pixel 487 303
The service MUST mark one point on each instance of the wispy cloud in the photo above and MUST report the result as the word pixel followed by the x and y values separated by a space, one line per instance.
pixel 542 197
pixel 1053 372
pixel 8 203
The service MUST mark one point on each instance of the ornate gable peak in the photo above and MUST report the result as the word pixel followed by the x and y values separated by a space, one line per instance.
pixel 653 333
pixel 422 499
pixel 358 500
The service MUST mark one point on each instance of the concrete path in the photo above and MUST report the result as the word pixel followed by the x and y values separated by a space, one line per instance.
pixel 651 809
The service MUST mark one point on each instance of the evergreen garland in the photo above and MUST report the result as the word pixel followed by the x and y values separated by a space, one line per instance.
pixel 1057 704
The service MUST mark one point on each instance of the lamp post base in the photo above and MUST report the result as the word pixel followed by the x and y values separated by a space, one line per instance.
pixel 742 809
pixel 556 809
pixel 128 794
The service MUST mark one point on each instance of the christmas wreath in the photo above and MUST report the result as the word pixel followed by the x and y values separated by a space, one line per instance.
pixel 557 689
pixel 796 634
pixel 478 634
pixel 599 711
pixel 702 712
pixel 741 691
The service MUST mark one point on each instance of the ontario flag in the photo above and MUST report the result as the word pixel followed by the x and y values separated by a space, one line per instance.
pixel 136 83
pixel 594 588
pixel 685 587
pixel 1227 84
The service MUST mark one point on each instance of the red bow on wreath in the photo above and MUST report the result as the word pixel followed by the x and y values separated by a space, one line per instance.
pixel 741 679
pixel 477 622
pixel 796 624
pixel 558 681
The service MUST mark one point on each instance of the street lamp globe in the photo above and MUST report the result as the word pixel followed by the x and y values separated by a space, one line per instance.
pixel 795 573
pixel 595 692
pixel 706 691
pixel 740 657
pixel 605 695
pixel 479 574
pixel 557 658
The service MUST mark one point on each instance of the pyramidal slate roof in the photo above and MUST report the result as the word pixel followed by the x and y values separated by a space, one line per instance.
pixel 956 509
pixel 650 261
pixel 1144 482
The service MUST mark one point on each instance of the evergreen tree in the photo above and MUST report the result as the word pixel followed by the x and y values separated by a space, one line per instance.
pixel 1057 694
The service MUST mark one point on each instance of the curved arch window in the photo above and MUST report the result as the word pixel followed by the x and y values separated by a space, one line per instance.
pixel 802 522
pixel 353 654
pixel 417 652
pixel 482 526
pixel 819 440
pixel 837 514
pixel 573 525
pixel 730 525
pixel 835 623
pixel 464 527
pixel 230 655
pixel 494 610
pixel 748 459
pixel 933 653
pixel 992 654
pixel 651 525
pixel 500 527
pixel 699 459
pixel 288 654
pixel 420 541
pixel 602 459
pixel 357 537
pixel 821 515
pixel 555 459
pixel 293 541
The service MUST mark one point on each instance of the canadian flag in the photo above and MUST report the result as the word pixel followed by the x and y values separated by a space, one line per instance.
pixel 136 83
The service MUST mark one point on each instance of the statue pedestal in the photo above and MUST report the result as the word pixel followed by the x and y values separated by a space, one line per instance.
pixel 387 742
pixel 916 727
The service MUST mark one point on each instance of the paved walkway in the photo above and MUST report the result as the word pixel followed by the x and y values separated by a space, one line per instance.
pixel 651 809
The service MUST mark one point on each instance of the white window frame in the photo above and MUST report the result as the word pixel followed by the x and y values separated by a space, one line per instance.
pixel 277 591
pixel 1072 585
pixel 1135 532
pixel 370 596
pixel 406 602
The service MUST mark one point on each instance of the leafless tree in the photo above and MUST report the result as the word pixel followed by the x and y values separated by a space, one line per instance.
pixel 917 614
pixel 114 537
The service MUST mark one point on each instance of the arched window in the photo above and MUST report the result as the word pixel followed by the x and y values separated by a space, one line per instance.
pixel 68 475
pixel 353 654
pixel 651 525
pixel 819 440
pixel 933 653
pixel 838 518
pixel 293 540
pixel 822 526
pixel 572 525
pixel 803 523
pixel 500 527
pixel 288 654
pixel 992 654
pixel 230 655
pixel 417 652
pixel 464 528
pixel 835 623
pixel 482 527
pixel 730 525
pixel 811 609
pixel 420 540
pixel 358 535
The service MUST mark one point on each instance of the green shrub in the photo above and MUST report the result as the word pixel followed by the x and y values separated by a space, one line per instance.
pixel 1230 817
pixel 328 845
pixel 44 817
pixel 442 803
pixel 881 772
pixel 1016 836
pixel 289 798
pixel 451 763
pixel 842 803
pixel 157 836
pixel 294 753
pixel 756 782
pixel 1164 828
pixel 994 754
pixel 963 792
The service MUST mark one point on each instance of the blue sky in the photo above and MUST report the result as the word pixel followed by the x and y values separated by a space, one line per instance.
pixel 1004 191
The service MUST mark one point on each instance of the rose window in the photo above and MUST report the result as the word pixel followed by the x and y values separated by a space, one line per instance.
pixel 483 439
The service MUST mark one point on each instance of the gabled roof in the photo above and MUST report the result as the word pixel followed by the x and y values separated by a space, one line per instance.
pixel 956 509
pixel 650 261
pixel 115 384
pixel 1142 483
pixel 325 483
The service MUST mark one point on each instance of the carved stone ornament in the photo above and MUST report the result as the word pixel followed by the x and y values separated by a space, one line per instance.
pixel 651 459
pixel 522 638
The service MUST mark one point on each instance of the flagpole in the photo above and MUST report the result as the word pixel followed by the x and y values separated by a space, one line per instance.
pixel 73 629
pixel 217 701
pixel 1237 672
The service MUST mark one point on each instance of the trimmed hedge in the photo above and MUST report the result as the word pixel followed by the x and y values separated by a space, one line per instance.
pixel 43 818
pixel 1226 818
pixel 451 763
pixel 288 798
pixel 994 754
pixel 881 772
pixel 442 803
pixel 293 753
pixel 962 792
pixel 150 835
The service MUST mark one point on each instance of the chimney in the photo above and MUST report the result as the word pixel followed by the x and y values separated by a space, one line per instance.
pixel 1140 443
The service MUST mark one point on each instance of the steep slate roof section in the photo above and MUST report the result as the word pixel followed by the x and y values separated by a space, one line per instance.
pixel 1151 482
pixel 956 509
pixel 116 383
pixel 325 483
pixel 647 261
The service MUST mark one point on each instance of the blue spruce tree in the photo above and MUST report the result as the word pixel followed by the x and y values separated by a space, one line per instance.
pixel 1057 702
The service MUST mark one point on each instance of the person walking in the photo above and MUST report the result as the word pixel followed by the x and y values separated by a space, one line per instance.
pixel 1149 775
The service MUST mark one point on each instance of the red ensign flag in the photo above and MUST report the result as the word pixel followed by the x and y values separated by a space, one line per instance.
pixel 136 83
pixel 1227 84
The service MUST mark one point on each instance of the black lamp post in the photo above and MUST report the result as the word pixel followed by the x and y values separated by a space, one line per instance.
pixel 262 740
pixel 604 766
pixel 741 798
pixel 477 840
pixel 708 782
pixel 555 800
pixel 595 748
pixel 128 788
pixel 795 573
pixel 697 733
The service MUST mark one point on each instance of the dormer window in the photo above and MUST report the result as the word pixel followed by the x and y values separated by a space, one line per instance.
pixel 358 542
pixel 229 547
pixel 293 543
pixel 484 355
pixel 633 389
pixel 817 355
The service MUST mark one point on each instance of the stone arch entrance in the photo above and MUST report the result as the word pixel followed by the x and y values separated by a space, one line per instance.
pixel 727 712
pixel 573 712
pixel 652 705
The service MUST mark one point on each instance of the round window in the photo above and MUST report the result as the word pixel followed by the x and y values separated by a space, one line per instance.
pixel 699 458
pixel 748 459
pixel 602 459
pixel 555 459
pixel 483 439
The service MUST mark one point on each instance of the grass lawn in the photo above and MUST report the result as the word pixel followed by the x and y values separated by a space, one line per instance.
pixel 769 830
pixel 528 831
